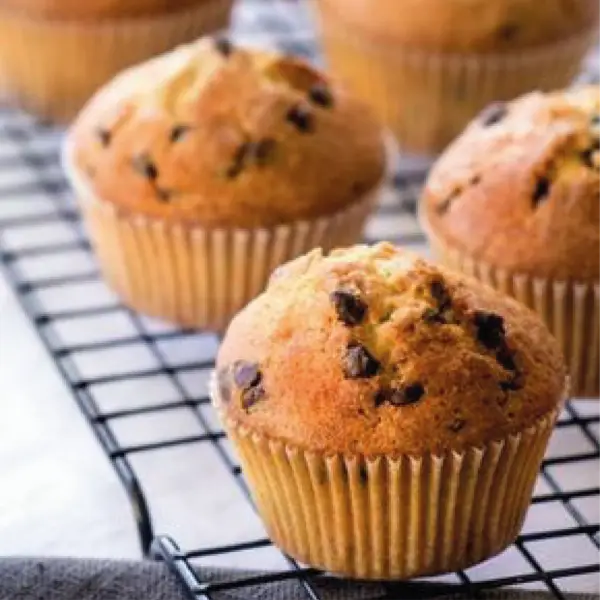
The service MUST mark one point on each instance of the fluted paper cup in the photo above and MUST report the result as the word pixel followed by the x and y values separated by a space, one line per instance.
pixel 52 66
pixel 570 309
pixel 195 276
pixel 392 517
pixel 427 98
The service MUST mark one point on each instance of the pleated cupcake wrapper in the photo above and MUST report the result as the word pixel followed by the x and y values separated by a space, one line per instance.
pixel 570 309
pixel 427 98
pixel 200 277
pixel 392 517
pixel 52 66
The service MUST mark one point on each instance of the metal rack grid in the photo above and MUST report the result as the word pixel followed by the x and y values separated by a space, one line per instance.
pixel 101 347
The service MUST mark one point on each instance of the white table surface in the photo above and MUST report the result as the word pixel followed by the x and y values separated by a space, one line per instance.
pixel 58 493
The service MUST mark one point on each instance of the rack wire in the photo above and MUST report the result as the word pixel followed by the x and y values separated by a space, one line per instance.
pixel 122 367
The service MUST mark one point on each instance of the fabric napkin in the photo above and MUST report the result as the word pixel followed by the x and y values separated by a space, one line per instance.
pixel 76 579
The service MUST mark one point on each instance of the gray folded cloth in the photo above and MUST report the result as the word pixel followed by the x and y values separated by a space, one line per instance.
pixel 75 579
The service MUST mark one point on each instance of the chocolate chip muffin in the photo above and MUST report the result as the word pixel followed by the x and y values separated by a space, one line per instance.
pixel 514 201
pixel 428 66
pixel 201 171
pixel 390 416
pixel 56 53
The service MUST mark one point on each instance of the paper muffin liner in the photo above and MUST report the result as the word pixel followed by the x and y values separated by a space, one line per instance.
pixel 52 66
pixel 570 309
pixel 427 98
pixel 392 517
pixel 199 277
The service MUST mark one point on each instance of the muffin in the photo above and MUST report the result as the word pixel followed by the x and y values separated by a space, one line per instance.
pixel 390 416
pixel 514 201
pixel 429 66
pixel 201 171
pixel 56 53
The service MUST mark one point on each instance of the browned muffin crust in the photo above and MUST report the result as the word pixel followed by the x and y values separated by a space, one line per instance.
pixel 519 188
pixel 94 9
pixel 371 350
pixel 467 26
pixel 218 135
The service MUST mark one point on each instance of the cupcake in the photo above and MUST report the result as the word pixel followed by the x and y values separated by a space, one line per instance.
pixel 428 66
pixel 390 416
pixel 56 53
pixel 201 171
pixel 514 202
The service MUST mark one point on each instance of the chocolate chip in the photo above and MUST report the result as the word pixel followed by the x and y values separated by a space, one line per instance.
pixel 253 395
pixel 457 425
pixel 263 150
pixel 511 384
pixel 397 397
pixel 505 358
pixel 104 136
pixel 490 329
pixel 440 294
pixel 163 194
pixel 595 119
pixel 321 95
pixel 541 190
pixel 492 114
pixel 586 157
pixel 442 313
pixel 381 396
pixel 246 374
pixel 350 309
pixel 400 396
pixel 413 393
pixel 239 160
pixel 508 32
pixel 301 118
pixel 247 377
pixel 178 132
pixel 223 46
pixel 359 362
pixel 590 157
pixel 144 165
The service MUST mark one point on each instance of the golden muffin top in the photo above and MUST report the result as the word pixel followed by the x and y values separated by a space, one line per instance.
pixel 372 350
pixel 223 136
pixel 520 188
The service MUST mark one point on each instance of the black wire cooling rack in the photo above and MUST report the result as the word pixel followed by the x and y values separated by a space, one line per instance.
pixel 122 367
